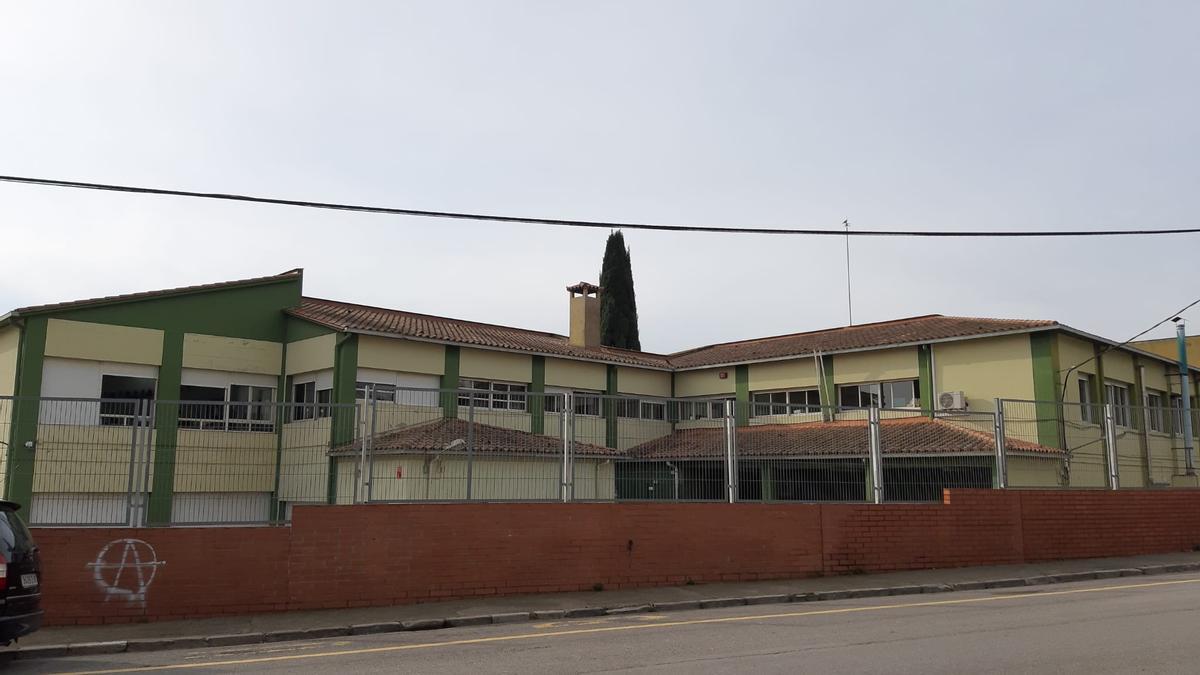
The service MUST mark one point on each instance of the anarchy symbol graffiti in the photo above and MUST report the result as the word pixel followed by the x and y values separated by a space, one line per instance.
pixel 125 568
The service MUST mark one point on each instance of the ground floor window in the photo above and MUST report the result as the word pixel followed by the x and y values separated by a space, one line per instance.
pixel 131 390
pixel 308 400
pixel 495 395
pixel 1154 412
pixel 1118 396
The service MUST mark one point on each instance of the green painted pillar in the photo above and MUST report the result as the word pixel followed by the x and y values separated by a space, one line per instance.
pixel 450 382
pixel 166 423
pixel 537 400
pixel 741 398
pixel 610 408
pixel 767 478
pixel 24 424
pixel 1046 388
pixel 281 400
pixel 925 378
pixel 344 416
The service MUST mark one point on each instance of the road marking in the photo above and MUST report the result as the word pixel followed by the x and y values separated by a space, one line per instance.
pixel 639 626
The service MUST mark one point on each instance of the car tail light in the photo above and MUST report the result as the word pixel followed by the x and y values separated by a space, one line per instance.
pixel 3 576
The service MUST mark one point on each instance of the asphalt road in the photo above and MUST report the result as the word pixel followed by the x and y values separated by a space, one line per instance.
pixel 1111 626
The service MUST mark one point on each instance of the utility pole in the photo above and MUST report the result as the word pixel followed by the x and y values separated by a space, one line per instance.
pixel 1185 389
pixel 849 301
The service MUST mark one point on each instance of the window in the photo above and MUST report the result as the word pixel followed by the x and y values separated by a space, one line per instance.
pixel 379 392
pixel 633 408
pixel 308 399
pixel 586 403
pixel 1087 400
pixel 701 410
pixel 252 408
pixel 132 389
pixel 1176 413
pixel 898 394
pixel 786 402
pixel 1118 396
pixel 498 395
pixel 1154 412
pixel 201 407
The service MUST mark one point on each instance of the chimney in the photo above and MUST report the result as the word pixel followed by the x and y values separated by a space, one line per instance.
pixel 585 314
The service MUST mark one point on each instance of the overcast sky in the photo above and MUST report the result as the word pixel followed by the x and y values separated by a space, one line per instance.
pixel 916 115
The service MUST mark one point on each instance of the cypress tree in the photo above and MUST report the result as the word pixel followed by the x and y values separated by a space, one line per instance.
pixel 618 307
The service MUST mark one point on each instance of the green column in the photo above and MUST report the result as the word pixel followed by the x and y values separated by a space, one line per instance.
pixel 537 402
pixel 24 425
pixel 450 382
pixel 610 408
pixel 166 421
pixel 281 399
pixel 344 419
pixel 741 399
pixel 925 378
pixel 1046 388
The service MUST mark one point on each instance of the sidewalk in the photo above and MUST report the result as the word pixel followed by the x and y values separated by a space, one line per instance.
pixel 299 625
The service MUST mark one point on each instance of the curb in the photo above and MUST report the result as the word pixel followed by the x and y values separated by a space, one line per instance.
pixel 192 642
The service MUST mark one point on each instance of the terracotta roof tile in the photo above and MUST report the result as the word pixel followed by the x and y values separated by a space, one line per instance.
pixel 906 436
pixel 350 317
pixel 882 334
pixel 145 295
pixel 436 435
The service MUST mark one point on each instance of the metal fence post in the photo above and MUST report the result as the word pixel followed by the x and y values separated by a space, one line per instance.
pixel 875 455
pixel 731 482
pixel 1001 446
pixel 369 469
pixel 470 446
pixel 568 434
pixel 134 433
pixel 1110 446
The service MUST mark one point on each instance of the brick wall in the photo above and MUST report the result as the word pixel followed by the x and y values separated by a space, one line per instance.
pixel 344 556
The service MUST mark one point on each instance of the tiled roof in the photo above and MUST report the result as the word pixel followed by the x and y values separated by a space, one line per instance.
pixel 146 295
pixel 349 317
pixel 438 436
pixel 905 436
pixel 901 331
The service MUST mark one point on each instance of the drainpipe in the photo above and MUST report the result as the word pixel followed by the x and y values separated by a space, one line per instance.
pixel 675 477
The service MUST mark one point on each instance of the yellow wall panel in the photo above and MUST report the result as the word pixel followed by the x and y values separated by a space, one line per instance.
pixel 576 374
pixel 238 355
pixel 488 365
pixel 793 374
pixel 312 354
pixel 645 382
pixel 405 356
pixel 103 342
pixel 875 366
pixel 985 369
pixel 706 382
pixel 10 339
pixel 1118 365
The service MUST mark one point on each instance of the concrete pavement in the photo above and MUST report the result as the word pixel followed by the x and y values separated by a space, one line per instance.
pixel 1127 624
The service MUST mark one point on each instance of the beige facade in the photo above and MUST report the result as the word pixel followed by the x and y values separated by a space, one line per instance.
pixel 644 382
pixel 306 356
pixel 875 366
pixel 984 370
pixel 103 342
pixel 238 355
pixel 705 382
pixel 10 340
pixel 791 374
pixel 492 365
pixel 406 356
pixel 576 374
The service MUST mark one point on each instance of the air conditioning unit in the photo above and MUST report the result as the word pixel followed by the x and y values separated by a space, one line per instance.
pixel 952 400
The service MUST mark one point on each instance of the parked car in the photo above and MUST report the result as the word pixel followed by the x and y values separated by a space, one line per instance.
pixel 20 577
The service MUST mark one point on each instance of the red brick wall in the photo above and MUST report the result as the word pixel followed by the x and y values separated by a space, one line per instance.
pixel 342 556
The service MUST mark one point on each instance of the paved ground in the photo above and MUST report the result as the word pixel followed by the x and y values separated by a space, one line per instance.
pixel 1138 624
pixel 292 621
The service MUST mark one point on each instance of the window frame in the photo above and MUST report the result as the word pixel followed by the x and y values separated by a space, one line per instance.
pixel 1154 411
pixel 513 399
pixel 1087 395
pixel 1121 410
pixel 790 405
pixel 120 419
pixel 881 400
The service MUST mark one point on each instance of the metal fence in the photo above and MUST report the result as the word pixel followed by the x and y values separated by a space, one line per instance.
pixel 124 462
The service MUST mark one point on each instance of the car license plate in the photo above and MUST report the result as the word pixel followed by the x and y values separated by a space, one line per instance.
pixel 29 580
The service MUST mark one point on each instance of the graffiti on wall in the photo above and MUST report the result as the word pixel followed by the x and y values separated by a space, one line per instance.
pixel 125 568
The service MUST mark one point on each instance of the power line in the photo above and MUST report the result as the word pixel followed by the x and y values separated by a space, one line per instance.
pixel 1109 348
pixel 564 222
